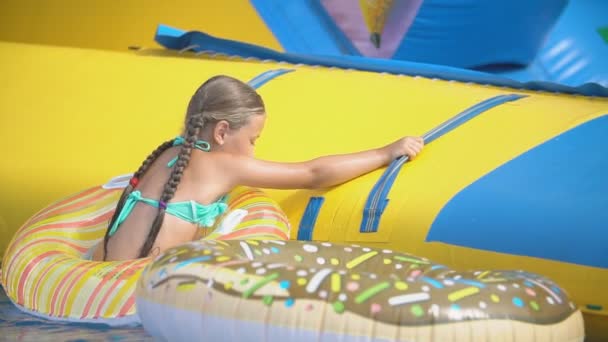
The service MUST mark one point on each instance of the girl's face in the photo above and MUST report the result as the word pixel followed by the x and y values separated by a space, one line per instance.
pixel 239 141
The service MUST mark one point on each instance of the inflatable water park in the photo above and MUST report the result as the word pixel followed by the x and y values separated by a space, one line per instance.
pixel 496 232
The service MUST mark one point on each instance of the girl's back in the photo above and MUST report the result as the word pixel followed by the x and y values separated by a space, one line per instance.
pixel 180 186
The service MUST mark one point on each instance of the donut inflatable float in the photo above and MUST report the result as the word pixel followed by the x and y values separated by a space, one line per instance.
pixel 304 291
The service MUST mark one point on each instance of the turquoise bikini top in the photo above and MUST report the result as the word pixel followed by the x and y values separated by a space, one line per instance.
pixel 190 211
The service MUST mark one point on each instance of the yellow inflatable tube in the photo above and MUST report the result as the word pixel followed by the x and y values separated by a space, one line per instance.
pixel 88 104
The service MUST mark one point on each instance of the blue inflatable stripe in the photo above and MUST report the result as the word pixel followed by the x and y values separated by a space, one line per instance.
pixel 264 77
pixel 199 41
pixel 307 224
pixel 377 199
pixel 549 202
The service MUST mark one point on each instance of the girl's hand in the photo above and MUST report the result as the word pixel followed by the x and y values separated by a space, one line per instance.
pixel 410 146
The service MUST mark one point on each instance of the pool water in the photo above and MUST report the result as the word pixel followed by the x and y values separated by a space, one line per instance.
pixel 18 326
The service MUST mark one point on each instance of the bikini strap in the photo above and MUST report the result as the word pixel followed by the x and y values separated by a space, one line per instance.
pixel 199 145
pixel 127 208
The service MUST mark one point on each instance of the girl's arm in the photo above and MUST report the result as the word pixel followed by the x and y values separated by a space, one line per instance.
pixel 317 173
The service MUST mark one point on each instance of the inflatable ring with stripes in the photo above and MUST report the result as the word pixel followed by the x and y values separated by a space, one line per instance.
pixel 44 273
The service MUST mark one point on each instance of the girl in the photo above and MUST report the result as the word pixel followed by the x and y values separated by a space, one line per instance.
pixel 180 186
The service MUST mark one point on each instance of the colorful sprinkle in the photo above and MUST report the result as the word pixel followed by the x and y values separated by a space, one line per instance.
pixel 266 251
pixel 409 298
pixel 244 281
pixel 257 252
pixel 334 261
pixel 482 274
pixel 534 305
pixel 343 297
pixel 323 294
pixel 325 244
pixel 372 291
pixel 301 281
pixel 310 248
pixel 267 299
pixel 298 258
pixel 417 310
pixel 387 261
pixel 285 284
pixel 458 295
pixel 228 285
pixel 352 286
pixel 412 260
pixel 247 293
pixel 355 276
pixel 502 287
pixel 387 251
pixel 316 280
pixel 398 266
pixel 277 242
pixel 320 261
pixel 274 250
pixel 433 282
pixel 550 300
pixel 375 308
pixel 518 302
pixel 415 273
pixel 336 282
pixel 495 298
pixel 455 307
pixel 301 273
pixel 434 310
pixel 338 307
pixel 348 249
pixel 483 305
pixel 365 249
pixel 260 271
pixel 425 288
pixel 401 285
pixel 530 292
pixel 247 250
pixel 289 302
pixel 191 261
pixel 360 259
pixel 471 283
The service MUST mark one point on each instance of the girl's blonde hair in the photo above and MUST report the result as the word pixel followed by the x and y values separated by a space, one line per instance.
pixel 219 98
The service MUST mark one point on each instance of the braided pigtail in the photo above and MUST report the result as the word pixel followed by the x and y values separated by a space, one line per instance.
pixel 194 126
pixel 132 184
